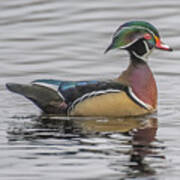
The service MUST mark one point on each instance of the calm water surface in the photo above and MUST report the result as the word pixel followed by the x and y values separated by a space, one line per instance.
pixel 66 40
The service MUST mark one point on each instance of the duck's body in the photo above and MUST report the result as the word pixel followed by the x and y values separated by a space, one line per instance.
pixel 133 93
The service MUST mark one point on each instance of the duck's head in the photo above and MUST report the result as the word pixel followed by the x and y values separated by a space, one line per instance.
pixel 139 38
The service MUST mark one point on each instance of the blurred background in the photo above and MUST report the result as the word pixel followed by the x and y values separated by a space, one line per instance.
pixel 66 40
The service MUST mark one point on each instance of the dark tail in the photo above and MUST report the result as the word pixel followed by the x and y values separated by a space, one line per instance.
pixel 45 98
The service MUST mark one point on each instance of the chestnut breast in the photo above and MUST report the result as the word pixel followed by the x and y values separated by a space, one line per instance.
pixel 143 83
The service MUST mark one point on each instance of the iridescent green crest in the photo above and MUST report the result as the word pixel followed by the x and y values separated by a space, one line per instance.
pixel 130 32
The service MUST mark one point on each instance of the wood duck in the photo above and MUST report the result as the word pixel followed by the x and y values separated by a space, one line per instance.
pixel 133 93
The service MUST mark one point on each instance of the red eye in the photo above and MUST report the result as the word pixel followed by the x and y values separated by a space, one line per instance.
pixel 147 36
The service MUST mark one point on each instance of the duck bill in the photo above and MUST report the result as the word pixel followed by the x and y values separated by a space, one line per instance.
pixel 162 46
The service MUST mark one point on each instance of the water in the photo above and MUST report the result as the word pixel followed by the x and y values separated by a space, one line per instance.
pixel 66 40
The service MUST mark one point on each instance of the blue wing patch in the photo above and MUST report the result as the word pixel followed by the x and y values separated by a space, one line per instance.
pixel 71 90
pixel 65 85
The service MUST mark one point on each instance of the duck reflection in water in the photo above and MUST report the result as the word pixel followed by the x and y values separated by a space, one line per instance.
pixel 134 138
pixel 142 133
pixel 142 146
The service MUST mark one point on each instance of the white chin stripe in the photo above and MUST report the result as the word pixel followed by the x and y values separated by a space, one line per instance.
pixel 139 57
pixel 148 50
